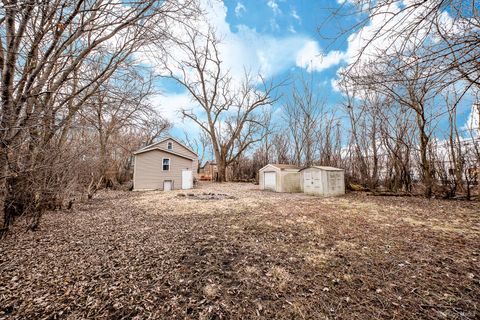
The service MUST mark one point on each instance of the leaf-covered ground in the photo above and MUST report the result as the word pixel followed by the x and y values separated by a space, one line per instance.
pixel 232 251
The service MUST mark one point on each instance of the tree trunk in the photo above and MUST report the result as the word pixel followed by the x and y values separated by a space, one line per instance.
pixel 3 184
pixel 222 170
pixel 220 158
pixel 104 161
pixel 424 161
pixel 374 176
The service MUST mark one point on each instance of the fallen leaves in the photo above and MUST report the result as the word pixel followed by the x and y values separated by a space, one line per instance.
pixel 232 251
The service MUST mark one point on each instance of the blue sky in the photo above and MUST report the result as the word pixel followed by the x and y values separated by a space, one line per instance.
pixel 298 19
pixel 280 39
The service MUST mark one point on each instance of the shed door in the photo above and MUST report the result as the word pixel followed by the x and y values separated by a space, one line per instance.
pixel 270 179
pixel 307 181
pixel 167 185
pixel 312 182
pixel 187 179
pixel 317 181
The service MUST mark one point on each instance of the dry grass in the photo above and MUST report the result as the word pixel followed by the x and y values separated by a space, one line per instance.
pixel 246 254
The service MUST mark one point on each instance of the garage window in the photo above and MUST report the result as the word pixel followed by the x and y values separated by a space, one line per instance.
pixel 166 164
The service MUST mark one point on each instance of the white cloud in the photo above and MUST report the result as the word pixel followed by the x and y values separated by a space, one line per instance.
pixel 276 11
pixel 311 57
pixel 246 50
pixel 292 29
pixel 274 6
pixel 324 83
pixel 371 37
pixel 274 25
pixel 472 125
pixel 170 104
pixel 295 15
pixel 384 30
pixel 335 83
pixel 257 52
pixel 240 9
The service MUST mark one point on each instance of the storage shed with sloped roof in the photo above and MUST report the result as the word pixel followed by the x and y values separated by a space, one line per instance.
pixel 323 181
pixel 280 178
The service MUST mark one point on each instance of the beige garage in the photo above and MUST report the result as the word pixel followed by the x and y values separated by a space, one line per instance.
pixel 280 178
pixel 165 165
pixel 323 181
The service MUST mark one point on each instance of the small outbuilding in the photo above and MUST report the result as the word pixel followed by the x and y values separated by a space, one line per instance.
pixel 323 181
pixel 280 178
pixel 209 171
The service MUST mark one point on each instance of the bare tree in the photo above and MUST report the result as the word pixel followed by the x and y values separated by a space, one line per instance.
pixel 281 147
pixel 121 102
pixel 413 84
pixel 364 134
pixel 303 112
pixel 153 127
pixel 200 144
pixel 230 113
pixel 447 27
pixel 427 47
pixel 397 136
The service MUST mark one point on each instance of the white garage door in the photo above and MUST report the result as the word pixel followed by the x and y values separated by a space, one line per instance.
pixel 270 179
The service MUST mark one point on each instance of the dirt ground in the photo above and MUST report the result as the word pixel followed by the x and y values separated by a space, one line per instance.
pixel 231 251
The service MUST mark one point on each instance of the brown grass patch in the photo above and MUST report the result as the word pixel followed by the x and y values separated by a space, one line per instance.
pixel 246 254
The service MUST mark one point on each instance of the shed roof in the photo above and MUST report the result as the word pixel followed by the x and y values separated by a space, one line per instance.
pixel 282 166
pixel 209 163
pixel 326 168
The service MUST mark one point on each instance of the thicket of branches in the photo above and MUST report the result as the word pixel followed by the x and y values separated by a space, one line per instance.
pixel 74 97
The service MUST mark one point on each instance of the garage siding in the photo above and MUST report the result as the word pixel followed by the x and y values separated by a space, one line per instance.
pixel 178 148
pixel 291 182
pixel 148 173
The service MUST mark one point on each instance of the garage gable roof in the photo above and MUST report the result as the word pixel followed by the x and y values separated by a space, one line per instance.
pixel 282 166
pixel 162 140
pixel 164 150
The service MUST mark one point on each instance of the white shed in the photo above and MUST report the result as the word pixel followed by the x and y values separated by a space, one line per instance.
pixel 323 181
pixel 280 178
